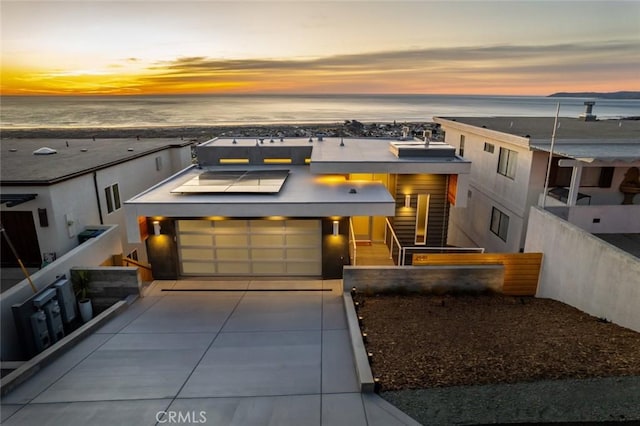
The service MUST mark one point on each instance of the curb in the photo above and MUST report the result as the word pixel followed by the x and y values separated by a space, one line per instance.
pixel 363 369
pixel 35 364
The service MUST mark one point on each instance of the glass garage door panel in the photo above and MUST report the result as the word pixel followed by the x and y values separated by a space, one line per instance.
pixel 194 225
pixel 228 254
pixel 250 247
pixel 198 268
pixel 197 240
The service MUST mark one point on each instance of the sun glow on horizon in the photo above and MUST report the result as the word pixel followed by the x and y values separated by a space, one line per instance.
pixel 126 48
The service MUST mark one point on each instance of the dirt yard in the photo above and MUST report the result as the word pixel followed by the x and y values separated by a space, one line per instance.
pixel 435 341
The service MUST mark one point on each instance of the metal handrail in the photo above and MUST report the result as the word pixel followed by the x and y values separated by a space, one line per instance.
pixel 394 237
pixel 456 249
pixel 352 243
pixel 135 262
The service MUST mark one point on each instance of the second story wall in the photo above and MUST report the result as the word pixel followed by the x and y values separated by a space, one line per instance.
pixel 499 192
pixel 506 179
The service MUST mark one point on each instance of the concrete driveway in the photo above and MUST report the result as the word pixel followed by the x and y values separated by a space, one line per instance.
pixel 189 353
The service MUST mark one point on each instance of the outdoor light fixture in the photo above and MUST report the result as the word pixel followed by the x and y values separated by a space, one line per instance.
pixel 407 200
pixel 156 227
pixel 336 228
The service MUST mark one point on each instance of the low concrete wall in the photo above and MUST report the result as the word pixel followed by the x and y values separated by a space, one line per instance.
pixel 35 364
pixel 584 271
pixel 423 279
pixel 92 252
pixel 109 284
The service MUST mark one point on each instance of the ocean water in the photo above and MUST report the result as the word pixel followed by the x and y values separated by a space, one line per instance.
pixel 205 110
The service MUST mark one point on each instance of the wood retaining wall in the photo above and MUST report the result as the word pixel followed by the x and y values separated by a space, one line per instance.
pixel 521 270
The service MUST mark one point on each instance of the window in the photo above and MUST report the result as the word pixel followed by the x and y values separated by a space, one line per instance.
pixel 488 147
pixel 507 163
pixel 422 219
pixel 461 150
pixel 116 195
pixel 499 224
pixel 112 195
pixel 107 194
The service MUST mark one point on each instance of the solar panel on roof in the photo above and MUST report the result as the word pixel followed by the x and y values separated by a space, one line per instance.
pixel 243 182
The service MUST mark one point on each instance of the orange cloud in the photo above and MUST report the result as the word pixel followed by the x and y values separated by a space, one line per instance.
pixel 505 69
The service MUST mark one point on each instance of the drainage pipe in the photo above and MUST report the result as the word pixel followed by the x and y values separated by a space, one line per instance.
pixel 95 185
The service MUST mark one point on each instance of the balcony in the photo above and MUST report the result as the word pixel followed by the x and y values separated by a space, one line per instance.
pixel 594 216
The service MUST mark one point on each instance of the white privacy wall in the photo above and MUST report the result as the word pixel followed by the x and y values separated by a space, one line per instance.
pixel 583 271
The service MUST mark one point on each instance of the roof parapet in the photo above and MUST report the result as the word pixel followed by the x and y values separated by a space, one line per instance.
pixel 409 149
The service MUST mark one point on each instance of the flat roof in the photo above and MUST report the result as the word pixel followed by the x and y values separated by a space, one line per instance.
pixel 590 152
pixel 302 195
pixel 373 155
pixel 541 128
pixel 263 141
pixel 19 166
pixel 356 155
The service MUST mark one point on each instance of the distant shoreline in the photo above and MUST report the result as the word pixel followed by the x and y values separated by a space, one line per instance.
pixel 347 128
pixel 598 95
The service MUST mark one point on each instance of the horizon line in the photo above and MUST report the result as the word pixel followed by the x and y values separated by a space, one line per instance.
pixel 69 95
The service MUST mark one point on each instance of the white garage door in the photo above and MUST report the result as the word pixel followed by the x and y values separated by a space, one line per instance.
pixel 250 247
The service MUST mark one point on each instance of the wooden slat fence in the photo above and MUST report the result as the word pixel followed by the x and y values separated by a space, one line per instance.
pixel 521 270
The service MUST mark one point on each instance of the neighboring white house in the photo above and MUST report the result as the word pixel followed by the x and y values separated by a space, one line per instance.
pixel 49 198
pixel 295 206
pixel 510 156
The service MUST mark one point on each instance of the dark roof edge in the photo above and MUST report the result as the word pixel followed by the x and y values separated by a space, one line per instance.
pixel 91 169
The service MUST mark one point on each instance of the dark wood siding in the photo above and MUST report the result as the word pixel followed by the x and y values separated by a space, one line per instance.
pixel 404 222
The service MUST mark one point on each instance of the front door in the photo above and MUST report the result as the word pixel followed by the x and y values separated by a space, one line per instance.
pixel 21 230
pixel 362 228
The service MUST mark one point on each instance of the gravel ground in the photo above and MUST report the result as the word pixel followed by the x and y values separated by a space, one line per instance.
pixel 480 359
pixel 578 401
pixel 423 341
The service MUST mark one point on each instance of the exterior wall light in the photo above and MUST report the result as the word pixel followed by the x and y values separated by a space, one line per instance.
pixel 407 201
pixel 156 227
pixel 336 228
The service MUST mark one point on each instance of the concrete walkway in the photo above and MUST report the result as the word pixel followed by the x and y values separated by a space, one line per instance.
pixel 250 356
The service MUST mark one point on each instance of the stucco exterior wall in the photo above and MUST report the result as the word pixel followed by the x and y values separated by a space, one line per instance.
pixel 488 189
pixel 134 177
pixel 583 271
pixel 472 224
pixel 75 200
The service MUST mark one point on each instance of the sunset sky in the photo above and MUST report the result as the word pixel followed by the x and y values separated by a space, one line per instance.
pixel 453 47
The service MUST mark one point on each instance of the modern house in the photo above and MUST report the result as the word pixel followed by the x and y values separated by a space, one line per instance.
pixel 591 181
pixel 52 189
pixel 296 206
